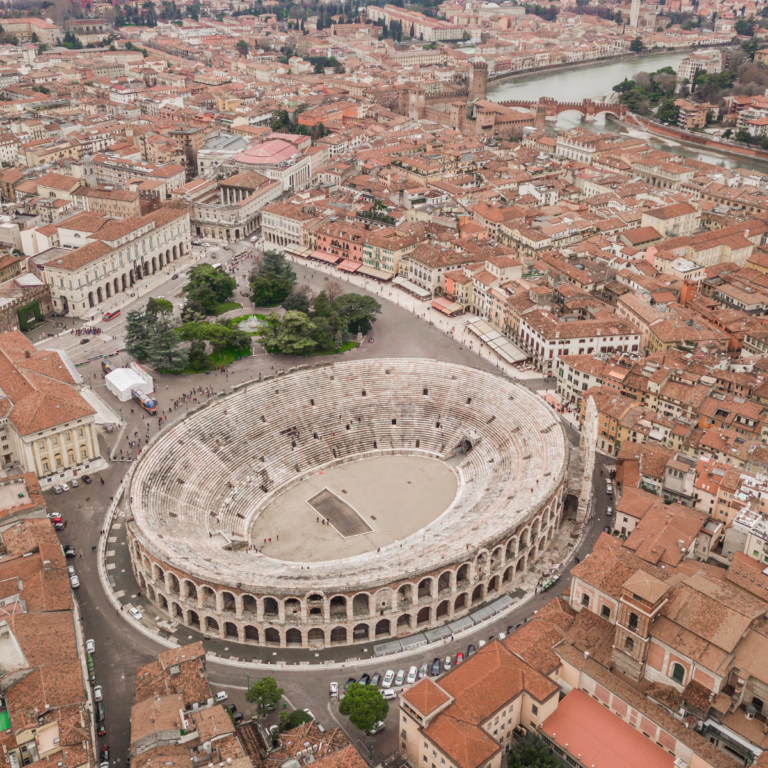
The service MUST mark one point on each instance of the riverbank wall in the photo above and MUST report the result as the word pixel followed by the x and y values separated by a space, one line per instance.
pixel 519 74
pixel 691 137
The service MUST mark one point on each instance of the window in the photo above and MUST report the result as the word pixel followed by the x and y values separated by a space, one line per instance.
pixel 606 612
pixel 585 600
pixel 55 440
pixel 534 710
pixel 633 621
pixel 45 467
pixel 678 673
pixel 41 445
pixel 629 644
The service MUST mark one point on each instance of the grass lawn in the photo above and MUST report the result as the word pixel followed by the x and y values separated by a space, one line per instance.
pixel 239 319
pixel 344 347
pixel 225 357
pixel 226 306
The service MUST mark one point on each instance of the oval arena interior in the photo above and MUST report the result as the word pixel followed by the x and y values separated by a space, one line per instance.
pixel 398 495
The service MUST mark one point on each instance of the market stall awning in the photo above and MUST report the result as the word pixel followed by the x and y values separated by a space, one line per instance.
pixel 447 307
pixel 376 274
pixel 497 341
pixel 416 290
pixel 349 265
pixel 326 257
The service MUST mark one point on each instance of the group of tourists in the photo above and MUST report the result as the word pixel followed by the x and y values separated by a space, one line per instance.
pixel 86 330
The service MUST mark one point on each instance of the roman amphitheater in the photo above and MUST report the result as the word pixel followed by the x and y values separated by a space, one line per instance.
pixel 347 502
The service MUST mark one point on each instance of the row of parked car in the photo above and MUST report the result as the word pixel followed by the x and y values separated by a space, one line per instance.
pixel 63 487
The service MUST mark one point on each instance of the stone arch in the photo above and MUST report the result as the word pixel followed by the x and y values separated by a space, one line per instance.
pixel 90 299
pixel 116 285
pixel 477 594
pixel 211 625
pixel 338 636
pixel 444 582
pixel 271 636
pixel 463 573
pixel 108 290
pixel 316 638
pixel 497 558
pixel 154 265
pixel 250 604
pixel 493 585
pixel 423 616
pixel 509 574
pixel 162 602
pixel 292 608
pixel 124 282
pixel 151 592
pixel 524 538
pixel 191 590
pixel 176 612
pixel 230 630
pixel 174 253
pixel 360 605
pixel 293 636
pixel 315 603
pixel 194 619
pixel 229 602
pixel 442 610
pixel 157 572
pixel 99 296
pixel 405 595
pixel 520 566
pixel 251 634
pixel 425 588
pixel 383 628
pixel 382 601
pixel 404 621
pixel 270 606
pixel 360 633
pixel 209 597
pixel 339 607
pixel 511 547
pixel 460 603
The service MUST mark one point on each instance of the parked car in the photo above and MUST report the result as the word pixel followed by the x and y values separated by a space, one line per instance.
pixel 220 696
pixel 510 629
pixel 334 689
pixel 105 752
pixel 71 570
pixel 399 678
pixel 424 670
pixel 412 675
pixel 365 679
pixel 102 730
pixel 238 717
pixel 104 764
pixel 389 695
pixel 69 551
pixel 98 693
pixel 459 658
pixel 609 511
pixel 606 529
pixel 435 667
pixel 74 582
pixel 231 708
pixel 376 679
pixel 85 341
pixel 471 651
pixel 100 715
pixel 90 646
pixel 389 676
pixel 74 483
pixel 54 517
pixel 378 727
pixel 57 489
pixel 348 683
pixel 86 479
pixel 64 487
pixel 447 664
pixel 480 643
pixel 175 277
pixel 59 526
pixel 195 242
pixel 135 613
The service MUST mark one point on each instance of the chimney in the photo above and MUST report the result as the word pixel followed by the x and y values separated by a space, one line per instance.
pixel 27 354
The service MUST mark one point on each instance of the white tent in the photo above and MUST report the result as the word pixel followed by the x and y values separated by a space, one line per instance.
pixel 122 380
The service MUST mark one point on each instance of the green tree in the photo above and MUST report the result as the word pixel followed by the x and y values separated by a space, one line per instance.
pixel 358 312
pixel 272 281
pixel 365 706
pixel 291 720
pixel 744 27
pixel 193 310
pixel 241 46
pixel 197 360
pixel 322 306
pixel 532 753
pixel 637 45
pixel 299 300
pixel 164 350
pixel 209 286
pixel 728 133
pixel 157 307
pixel 668 112
pixel 137 331
pixel 293 335
pixel 265 694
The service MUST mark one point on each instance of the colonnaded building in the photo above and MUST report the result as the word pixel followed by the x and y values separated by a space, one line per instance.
pixel 342 503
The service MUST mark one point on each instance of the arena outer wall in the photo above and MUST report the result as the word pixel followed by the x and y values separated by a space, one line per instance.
pixel 352 602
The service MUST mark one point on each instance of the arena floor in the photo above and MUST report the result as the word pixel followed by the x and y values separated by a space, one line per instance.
pixel 394 495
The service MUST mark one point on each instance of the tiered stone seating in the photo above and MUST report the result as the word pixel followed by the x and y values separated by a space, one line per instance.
pixel 209 476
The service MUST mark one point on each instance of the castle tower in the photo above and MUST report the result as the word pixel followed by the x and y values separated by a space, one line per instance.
pixel 413 102
pixel 634 14
pixel 478 80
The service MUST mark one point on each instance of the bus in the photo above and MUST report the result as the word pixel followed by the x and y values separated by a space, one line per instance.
pixel 147 403
pixel 111 315
pixel 107 367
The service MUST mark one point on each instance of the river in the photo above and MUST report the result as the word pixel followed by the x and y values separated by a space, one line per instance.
pixel 596 82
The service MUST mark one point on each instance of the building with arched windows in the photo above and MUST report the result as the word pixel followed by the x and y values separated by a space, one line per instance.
pixel 353 559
